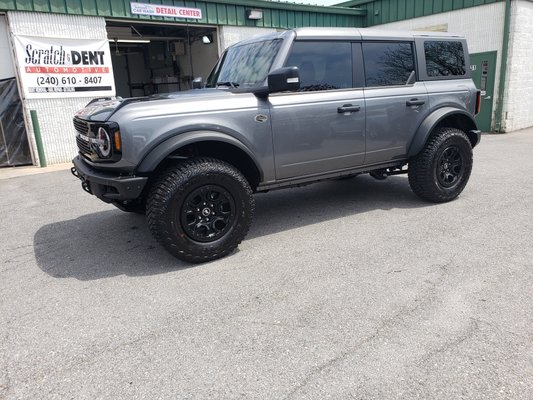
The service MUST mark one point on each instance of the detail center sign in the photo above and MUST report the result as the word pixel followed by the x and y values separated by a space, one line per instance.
pixel 52 67
pixel 157 10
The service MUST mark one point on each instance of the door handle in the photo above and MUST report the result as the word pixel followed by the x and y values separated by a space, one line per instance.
pixel 486 98
pixel 414 102
pixel 348 108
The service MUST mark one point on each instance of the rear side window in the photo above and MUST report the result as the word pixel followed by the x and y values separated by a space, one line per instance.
pixel 322 65
pixel 444 58
pixel 388 64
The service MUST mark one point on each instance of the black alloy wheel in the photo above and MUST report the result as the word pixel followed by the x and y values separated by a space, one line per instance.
pixel 208 213
pixel 450 167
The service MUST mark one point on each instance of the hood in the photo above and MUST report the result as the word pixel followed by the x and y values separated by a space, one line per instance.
pixel 100 110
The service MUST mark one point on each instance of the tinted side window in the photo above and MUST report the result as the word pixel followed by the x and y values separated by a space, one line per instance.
pixel 388 64
pixel 444 58
pixel 322 65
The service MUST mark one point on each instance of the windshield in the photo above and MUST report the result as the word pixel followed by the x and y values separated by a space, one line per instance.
pixel 244 65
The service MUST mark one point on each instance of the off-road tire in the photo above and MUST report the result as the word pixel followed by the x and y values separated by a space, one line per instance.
pixel 219 190
pixel 440 172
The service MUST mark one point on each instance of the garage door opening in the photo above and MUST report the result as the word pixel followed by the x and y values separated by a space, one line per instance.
pixel 153 58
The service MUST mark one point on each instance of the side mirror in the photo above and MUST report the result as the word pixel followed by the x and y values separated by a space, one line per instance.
pixel 285 79
pixel 197 83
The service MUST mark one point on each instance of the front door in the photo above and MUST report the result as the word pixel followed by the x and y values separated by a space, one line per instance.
pixel 313 135
pixel 483 68
pixel 322 127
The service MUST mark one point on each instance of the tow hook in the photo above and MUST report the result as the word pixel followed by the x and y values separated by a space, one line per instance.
pixel 86 187
pixel 84 183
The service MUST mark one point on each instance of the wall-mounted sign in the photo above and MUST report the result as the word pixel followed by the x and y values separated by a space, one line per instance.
pixel 51 67
pixel 157 10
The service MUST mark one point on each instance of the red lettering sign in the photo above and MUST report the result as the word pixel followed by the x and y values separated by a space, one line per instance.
pixel 66 70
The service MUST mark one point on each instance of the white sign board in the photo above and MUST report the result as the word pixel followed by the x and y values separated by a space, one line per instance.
pixel 53 68
pixel 157 10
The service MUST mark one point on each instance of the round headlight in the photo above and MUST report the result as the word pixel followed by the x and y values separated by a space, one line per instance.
pixel 103 143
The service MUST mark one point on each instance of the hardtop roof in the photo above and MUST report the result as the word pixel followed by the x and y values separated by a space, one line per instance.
pixel 368 34
pixel 351 34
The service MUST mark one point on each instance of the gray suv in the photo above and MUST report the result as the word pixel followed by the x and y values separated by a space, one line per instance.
pixel 281 110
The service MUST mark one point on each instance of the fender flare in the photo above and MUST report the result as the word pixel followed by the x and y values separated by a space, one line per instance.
pixel 154 157
pixel 432 120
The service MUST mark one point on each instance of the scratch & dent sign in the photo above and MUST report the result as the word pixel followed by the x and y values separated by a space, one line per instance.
pixel 51 67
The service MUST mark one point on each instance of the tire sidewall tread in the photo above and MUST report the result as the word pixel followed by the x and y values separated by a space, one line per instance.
pixel 422 168
pixel 166 197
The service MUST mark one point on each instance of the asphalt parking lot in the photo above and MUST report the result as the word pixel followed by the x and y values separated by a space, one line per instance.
pixel 344 290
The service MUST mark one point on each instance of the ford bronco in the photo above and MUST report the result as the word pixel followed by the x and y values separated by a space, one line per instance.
pixel 282 110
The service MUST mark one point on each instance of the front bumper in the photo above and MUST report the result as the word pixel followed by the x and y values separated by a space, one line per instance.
pixel 108 187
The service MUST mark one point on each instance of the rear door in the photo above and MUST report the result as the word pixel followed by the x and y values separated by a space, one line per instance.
pixel 396 104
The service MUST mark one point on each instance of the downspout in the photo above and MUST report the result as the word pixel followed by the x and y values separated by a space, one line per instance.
pixel 38 137
pixel 503 68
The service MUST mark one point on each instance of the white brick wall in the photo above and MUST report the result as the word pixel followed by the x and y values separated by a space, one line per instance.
pixel 518 98
pixel 6 65
pixel 55 115
pixel 482 26
pixel 229 35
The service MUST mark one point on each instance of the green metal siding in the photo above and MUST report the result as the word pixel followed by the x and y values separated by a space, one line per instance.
pixel 384 11
pixel 220 12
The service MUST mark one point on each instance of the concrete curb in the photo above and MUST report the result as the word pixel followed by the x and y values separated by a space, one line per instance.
pixel 15 172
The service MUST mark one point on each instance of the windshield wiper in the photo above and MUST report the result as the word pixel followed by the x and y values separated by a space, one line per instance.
pixel 228 83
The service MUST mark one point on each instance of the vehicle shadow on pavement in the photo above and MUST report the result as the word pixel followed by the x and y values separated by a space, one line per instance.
pixel 286 209
pixel 111 242
pixel 101 245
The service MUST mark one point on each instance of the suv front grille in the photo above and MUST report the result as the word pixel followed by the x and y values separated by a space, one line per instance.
pixel 81 126
pixel 83 146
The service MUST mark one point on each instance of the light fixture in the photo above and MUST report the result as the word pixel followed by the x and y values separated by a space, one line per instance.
pixel 254 14
pixel 130 40
pixel 206 39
